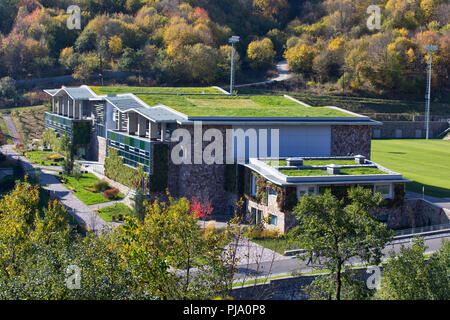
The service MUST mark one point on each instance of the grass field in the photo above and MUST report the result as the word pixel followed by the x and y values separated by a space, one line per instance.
pixel 427 162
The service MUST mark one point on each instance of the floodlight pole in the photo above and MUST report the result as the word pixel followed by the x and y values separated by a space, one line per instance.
pixel 430 49
pixel 232 40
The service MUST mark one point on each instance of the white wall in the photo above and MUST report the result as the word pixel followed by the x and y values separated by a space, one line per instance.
pixel 293 141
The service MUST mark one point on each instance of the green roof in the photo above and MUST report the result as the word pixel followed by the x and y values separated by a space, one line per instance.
pixel 322 172
pixel 283 163
pixel 213 103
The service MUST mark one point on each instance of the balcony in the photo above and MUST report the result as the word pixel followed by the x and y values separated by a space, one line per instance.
pixel 134 150
pixel 75 128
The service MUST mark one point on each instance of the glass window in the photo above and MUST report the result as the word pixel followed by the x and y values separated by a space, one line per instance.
pixel 253 185
pixel 384 189
pixel 305 191
pixel 253 217
pixel 273 219
pixel 259 216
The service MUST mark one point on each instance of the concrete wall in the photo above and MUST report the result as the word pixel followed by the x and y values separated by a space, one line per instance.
pixel 407 129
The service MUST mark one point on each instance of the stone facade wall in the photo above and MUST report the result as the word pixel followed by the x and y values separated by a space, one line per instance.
pixel 285 220
pixel 414 213
pixel 350 140
pixel 204 181
pixel 101 149
pixel 407 129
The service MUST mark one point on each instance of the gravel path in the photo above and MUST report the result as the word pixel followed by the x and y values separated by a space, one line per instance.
pixel 12 129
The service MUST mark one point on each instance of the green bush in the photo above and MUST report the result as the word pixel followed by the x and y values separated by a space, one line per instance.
pixel 101 186
pixel 117 171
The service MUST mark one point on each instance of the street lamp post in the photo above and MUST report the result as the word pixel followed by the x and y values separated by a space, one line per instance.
pixel 232 40
pixel 430 48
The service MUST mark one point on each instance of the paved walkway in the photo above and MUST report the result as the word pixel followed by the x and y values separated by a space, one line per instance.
pixel 249 253
pixel 80 211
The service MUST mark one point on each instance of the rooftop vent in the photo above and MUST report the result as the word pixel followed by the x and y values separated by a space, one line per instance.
pixel 359 159
pixel 294 162
pixel 333 169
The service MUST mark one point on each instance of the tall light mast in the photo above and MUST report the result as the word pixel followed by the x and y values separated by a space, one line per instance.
pixel 430 48
pixel 232 40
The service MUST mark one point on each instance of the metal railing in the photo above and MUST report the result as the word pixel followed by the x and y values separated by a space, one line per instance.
pixel 437 227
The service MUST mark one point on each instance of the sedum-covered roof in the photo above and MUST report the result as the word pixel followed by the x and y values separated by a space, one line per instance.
pixel 212 102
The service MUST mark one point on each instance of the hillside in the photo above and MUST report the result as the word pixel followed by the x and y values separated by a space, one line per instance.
pixel 171 42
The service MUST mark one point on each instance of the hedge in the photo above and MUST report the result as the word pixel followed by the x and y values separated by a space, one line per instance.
pixel 158 180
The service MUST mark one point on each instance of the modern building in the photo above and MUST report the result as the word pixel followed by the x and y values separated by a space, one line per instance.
pixel 224 141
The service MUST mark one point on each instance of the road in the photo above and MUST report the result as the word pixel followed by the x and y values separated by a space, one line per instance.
pixel 292 265
pixel 283 74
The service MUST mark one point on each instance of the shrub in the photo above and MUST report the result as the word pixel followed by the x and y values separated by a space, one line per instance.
pixel 101 186
pixel 111 194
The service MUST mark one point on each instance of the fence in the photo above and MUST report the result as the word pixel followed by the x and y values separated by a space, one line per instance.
pixel 437 227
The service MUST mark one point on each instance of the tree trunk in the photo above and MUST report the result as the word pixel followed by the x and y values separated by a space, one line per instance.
pixel 338 282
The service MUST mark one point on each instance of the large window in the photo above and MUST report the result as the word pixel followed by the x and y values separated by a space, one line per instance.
pixel 384 189
pixel 273 219
pixel 253 185
pixel 306 191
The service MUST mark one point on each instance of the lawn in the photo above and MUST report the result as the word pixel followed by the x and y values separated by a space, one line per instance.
pixel 282 163
pixel 215 104
pixel 80 189
pixel 44 158
pixel 119 208
pixel 321 172
pixel 427 162
pixel 240 106
pixel 374 107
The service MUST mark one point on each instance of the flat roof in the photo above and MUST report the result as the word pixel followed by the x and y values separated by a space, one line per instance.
pixel 213 105
pixel 313 171
pixel 210 102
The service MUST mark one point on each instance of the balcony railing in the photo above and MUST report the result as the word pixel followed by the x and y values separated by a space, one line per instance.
pixel 58 123
pixel 133 150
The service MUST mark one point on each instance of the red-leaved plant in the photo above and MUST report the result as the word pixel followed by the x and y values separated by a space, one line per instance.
pixel 199 209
